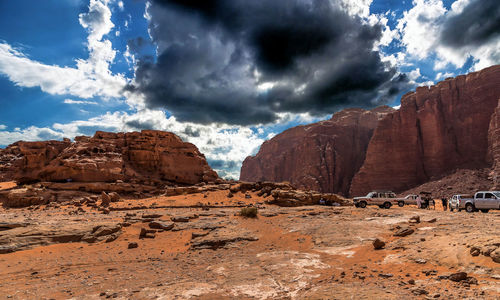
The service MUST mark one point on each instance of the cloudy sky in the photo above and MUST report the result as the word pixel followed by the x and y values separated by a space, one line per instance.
pixel 225 74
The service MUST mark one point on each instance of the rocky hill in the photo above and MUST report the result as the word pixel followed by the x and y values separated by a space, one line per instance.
pixel 323 156
pixel 145 157
pixel 437 129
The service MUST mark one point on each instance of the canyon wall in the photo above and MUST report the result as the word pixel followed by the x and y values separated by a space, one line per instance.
pixel 494 147
pixel 323 156
pixel 437 129
pixel 152 156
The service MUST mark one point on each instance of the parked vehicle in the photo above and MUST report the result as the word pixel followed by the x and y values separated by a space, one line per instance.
pixel 408 200
pixel 457 202
pixel 382 199
pixel 483 201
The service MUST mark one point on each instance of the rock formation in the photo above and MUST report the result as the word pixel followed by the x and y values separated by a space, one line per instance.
pixel 146 156
pixel 494 146
pixel 323 156
pixel 438 129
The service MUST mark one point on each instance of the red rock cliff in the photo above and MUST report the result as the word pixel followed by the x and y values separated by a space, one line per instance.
pixel 140 156
pixel 436 130
pixel 494 146
pixel 323 156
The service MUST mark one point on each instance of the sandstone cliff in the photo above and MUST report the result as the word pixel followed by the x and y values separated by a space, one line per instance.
pixel 323 156
pixel 146 156
pixel 494 147
pixel 438 129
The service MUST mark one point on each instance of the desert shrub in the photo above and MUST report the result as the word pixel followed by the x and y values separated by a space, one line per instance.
pixel 249 212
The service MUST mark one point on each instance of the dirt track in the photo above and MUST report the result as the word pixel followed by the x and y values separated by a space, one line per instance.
pixel 311 252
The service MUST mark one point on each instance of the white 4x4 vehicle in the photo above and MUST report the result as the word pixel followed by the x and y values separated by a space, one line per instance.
pixel 483 201
pixel 382 199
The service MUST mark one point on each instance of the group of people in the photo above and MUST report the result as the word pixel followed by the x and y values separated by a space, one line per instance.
pixel 427 202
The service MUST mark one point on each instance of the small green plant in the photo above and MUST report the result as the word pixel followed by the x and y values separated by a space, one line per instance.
pixel 249 212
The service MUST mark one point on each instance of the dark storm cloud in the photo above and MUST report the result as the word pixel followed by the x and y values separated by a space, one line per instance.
pixel 214 56
pixel 478 23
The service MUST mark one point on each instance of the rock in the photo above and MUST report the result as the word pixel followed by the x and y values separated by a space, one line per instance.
pixel 298 198
pixel 151 216
pixel 495 255
pixel 458 276
pixel 147 233
pixel 494 147
pixel 23 197
pixel 148 155
pixel 221 237
pixel 414 219
pixel 428 134
pixel 404 232
pixel 247 195
pixel 475 251
pixel 378 244
pixel 387 275
pixel 161 225
pixel 115 197
pixel 11 225
pixel 433 220
pixel 102 230
pixel 421 261
pixel 105 199
pixel 323 156
pixel 419 292
pixel 132 245
pixel 230 195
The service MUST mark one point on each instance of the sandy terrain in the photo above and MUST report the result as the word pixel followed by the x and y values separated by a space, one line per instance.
pixel 313 252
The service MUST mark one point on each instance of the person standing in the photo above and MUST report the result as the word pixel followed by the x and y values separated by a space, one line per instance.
pixel 444 201
pixel 419 202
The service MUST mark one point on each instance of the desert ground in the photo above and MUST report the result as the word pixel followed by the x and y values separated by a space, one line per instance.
pixel 201 248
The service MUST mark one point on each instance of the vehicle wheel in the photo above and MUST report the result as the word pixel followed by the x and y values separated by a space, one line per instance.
pixel 356 204
pixel 451 209
pixel 387 205
pixel 401 203
pixel 485 210
pixel 469 208
pixel 362 204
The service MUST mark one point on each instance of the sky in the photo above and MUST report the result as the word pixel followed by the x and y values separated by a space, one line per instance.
pixel 225 75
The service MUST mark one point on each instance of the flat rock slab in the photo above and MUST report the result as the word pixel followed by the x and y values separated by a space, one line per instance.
pixel 22 238
pixel 221 237
pixel 161 225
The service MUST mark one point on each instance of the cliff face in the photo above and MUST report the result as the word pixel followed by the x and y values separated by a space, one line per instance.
pixel 436 130
pixel 494 146
pixel 323 156
pixel 136 156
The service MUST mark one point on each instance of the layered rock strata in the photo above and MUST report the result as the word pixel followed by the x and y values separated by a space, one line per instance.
pixel 148 156
pixel 323 156
pixel 438 129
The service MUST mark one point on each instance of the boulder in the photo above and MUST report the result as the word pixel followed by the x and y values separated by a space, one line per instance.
pixel 378 244
pixel 105 199
pixel 404 231
pixel 161 225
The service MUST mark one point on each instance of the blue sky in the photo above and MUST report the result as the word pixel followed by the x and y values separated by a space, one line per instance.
pixel 72 67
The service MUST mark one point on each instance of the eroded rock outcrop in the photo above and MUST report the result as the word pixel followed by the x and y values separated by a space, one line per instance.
pixel 323 156
pixel 437 129
pixel 494 146
pixel 147 156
